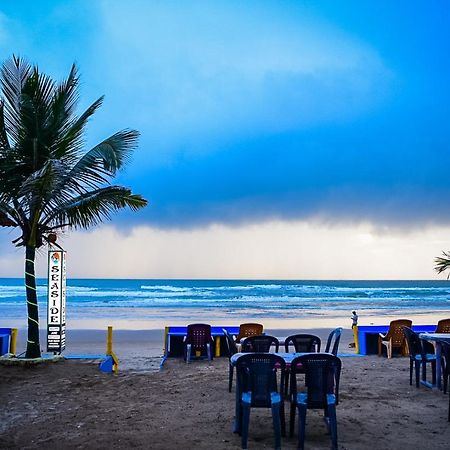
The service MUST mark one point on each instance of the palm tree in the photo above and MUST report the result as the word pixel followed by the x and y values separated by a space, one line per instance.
pixel 48 181
pixel 442 263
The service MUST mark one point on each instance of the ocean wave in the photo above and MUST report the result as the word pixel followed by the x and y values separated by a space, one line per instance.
pixel 166 288
pixel 18 292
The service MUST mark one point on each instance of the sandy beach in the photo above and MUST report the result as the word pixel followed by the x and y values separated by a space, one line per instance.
pixel 71 404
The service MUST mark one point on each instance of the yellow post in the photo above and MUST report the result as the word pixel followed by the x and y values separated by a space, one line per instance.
pixel 166 334
pixel 109 350
pixel 217 352
pixel 355 335
pixel 12 345
pixel 109 342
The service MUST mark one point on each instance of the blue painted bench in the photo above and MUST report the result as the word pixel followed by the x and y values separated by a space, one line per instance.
pixel 174 338
pixel 5 340
pixel 368 336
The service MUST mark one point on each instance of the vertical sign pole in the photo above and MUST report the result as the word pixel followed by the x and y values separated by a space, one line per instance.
pixel 56 307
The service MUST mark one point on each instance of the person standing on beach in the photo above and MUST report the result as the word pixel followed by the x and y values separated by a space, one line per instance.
pixel 354 325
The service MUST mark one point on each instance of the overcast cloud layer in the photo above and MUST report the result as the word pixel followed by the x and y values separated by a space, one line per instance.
pixel 257 111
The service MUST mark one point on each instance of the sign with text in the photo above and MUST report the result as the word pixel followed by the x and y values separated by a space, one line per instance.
pixel 56 308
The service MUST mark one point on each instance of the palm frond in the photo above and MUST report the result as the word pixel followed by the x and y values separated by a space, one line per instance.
pixel 41 185
pixel 4 142
pixel 60 113
pixel 13 76
pixel 64 102
pixel 99 164
pixel 92 208
pixel 442 263
pixel 35 136
pixel 115 151
pixel 70 142
pixel 107 157
pixel 8 212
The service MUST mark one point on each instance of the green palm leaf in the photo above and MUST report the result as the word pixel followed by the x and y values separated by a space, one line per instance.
pixel 442 263
pixel 90 209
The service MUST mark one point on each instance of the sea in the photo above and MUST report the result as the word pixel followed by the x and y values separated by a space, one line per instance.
pixel 143 303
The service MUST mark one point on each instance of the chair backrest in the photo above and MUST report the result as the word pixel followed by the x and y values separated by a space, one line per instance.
pixel 259 343
pixel 303 343
pixel 249 329
pixel 198 335
pixel 336 335
pixel 443 326
pixel 322 374
pixel 415 346
pixel 231 345
pixel 257 373
pixel 395 332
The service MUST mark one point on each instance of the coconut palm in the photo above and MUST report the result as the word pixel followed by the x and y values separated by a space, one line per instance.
pixel 48 181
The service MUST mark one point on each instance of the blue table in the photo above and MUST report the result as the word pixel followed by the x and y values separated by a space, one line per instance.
pixel 437 338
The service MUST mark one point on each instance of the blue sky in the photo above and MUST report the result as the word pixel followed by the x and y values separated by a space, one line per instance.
pixel 252 112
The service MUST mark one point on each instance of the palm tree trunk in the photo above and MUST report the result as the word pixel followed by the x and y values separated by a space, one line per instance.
pixel 33 347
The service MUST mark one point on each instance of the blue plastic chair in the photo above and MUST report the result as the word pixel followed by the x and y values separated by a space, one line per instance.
pixel 418 356
pixel 232 349
pixel 261 343
pixel 257 387
pixel 336 335
pixel 198 342
pixel 321 391
pixel 303 343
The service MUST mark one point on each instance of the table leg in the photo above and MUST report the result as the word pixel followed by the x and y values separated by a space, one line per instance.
pixel 438 365
pixel 237 416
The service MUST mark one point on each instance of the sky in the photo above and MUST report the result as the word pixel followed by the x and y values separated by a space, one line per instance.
pixel 294 139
